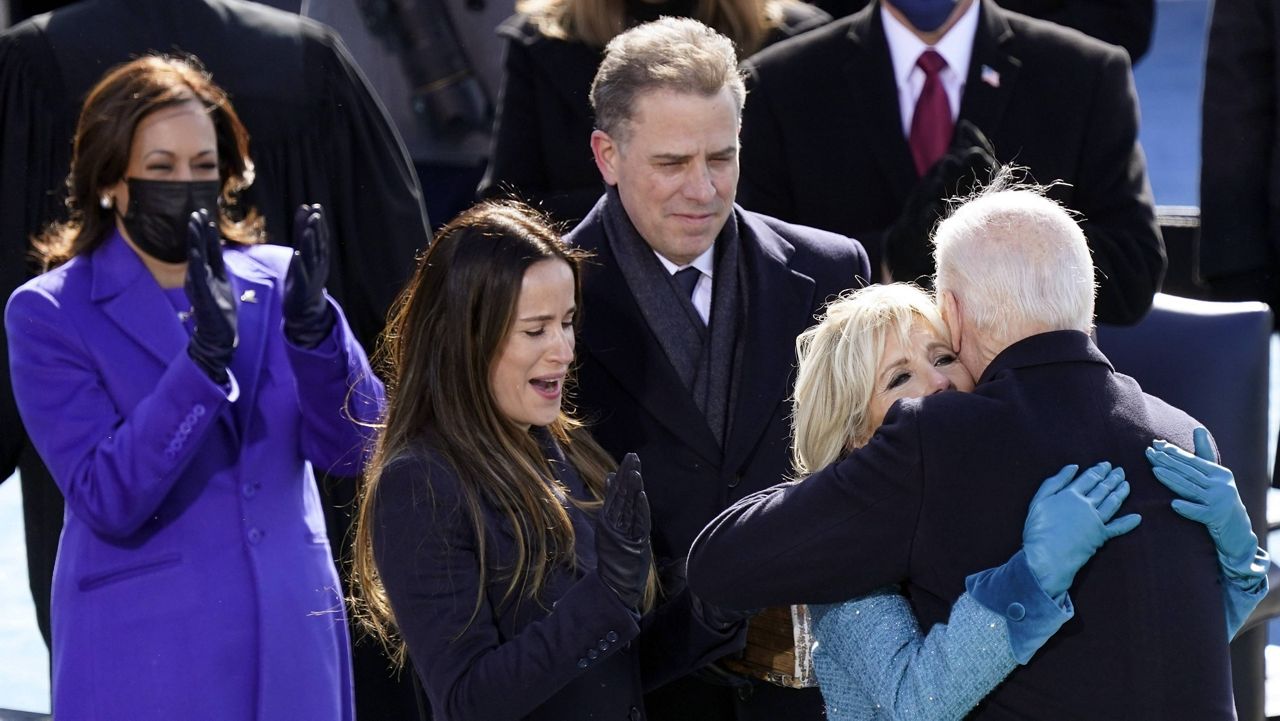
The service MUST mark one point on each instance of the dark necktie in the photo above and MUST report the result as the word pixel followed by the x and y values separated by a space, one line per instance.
pixel 931 124
pixel 687 280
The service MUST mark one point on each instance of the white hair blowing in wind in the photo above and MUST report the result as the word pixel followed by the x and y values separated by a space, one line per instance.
pixel 1015 258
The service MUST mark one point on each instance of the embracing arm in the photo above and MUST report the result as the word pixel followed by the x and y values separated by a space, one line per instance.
pixel 114 470
pixel 426 552
pixel 1208 495
pixel 840 533
pixel 872 646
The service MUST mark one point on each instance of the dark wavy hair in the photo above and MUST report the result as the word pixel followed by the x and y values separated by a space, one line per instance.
pixel 104 136
pixel 442 337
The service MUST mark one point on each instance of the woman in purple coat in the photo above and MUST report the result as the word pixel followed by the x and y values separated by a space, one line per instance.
pixel 180 392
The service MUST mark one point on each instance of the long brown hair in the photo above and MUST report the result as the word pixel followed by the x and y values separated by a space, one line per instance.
pixel 444 333
pixel 594 22
pixel 104 135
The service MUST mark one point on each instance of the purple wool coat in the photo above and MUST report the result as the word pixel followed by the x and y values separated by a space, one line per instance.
pixel 194 577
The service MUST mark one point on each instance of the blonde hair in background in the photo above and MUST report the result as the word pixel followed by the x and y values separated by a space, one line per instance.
pixel 1016 258
pixel 595 22
pixel 838 359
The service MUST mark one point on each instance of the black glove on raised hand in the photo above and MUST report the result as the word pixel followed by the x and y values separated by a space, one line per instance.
pixel 622 534
pixel 212 302
pixel 308 318
pixel 965 166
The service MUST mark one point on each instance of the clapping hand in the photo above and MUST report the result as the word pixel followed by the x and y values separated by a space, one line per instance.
pixel 1070 519
pixel 308 319
pixel 212 301
pixel 623 557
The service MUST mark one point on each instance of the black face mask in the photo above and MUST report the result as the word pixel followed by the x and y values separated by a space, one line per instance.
pixel 158 213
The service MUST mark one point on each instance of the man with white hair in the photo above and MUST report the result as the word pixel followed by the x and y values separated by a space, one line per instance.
pixel 942 489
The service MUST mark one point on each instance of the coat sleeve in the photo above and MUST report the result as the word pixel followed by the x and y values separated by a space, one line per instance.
pixel 339 397
pixel 113 470
pixel 870 651
pixel 1238 163
pixel 838 534
pixel 1114 198
pixel 426 551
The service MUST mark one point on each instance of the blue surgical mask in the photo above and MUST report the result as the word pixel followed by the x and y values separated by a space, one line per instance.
pixel 925 15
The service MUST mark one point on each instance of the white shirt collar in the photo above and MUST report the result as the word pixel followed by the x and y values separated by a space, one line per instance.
pixel 705 262
pixel 956 47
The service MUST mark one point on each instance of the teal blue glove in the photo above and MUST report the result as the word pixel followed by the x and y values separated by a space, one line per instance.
pixel 1209 496
pixel 1070 519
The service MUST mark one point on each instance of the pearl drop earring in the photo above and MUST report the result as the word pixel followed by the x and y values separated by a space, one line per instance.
pixel 105 201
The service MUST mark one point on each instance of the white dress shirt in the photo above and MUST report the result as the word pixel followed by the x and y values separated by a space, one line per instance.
pixel 905 48
pixel 702 291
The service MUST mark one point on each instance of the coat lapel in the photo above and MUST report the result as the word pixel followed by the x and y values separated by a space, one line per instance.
pixel 992 73
pixel 131 298
pixel 616 335
pixel 869 70
pixel 779 306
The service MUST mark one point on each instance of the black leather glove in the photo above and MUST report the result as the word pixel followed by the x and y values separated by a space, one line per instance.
pixel 719 618
pixel 966 165
pixel 212 302
pixel 623 558
pixel 308 318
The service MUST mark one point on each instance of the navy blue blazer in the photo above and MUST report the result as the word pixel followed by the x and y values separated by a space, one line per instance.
pixel 822 140
pixel 942 490
pixel 577 654
pixel 635 400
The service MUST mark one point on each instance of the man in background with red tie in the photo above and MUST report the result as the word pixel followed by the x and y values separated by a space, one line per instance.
pixel 867 126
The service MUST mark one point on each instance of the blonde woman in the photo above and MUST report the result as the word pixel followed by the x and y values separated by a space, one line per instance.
pixel 541 148
pixel 873 347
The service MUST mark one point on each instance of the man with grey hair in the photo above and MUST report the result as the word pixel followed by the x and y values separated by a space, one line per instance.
pixel 942 489
pixel 691 307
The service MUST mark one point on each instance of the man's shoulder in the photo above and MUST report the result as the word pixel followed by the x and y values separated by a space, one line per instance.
pixel 807 241
pixel 589 232
pixel 1033 37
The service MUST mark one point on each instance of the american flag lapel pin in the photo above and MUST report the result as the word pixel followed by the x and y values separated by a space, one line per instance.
pixel 990 76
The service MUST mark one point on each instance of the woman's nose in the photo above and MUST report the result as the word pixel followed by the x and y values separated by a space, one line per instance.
pixel 939 382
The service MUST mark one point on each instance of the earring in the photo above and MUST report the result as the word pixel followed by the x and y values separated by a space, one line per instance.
pixel 106 201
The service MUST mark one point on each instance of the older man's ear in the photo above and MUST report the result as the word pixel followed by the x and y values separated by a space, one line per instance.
pixel 949 306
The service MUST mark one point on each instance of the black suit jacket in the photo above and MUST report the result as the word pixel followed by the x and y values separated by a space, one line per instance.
pixel 542 134
pixel 942 490
pixel 822 140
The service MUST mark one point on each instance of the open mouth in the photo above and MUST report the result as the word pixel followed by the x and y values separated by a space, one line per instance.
pixel 549 388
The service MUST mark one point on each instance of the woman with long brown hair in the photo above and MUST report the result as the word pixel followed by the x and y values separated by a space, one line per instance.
pixel 493 545
pixel 541 146
pixel 181 393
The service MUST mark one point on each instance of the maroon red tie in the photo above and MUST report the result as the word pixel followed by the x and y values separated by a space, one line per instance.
pixel 931 125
